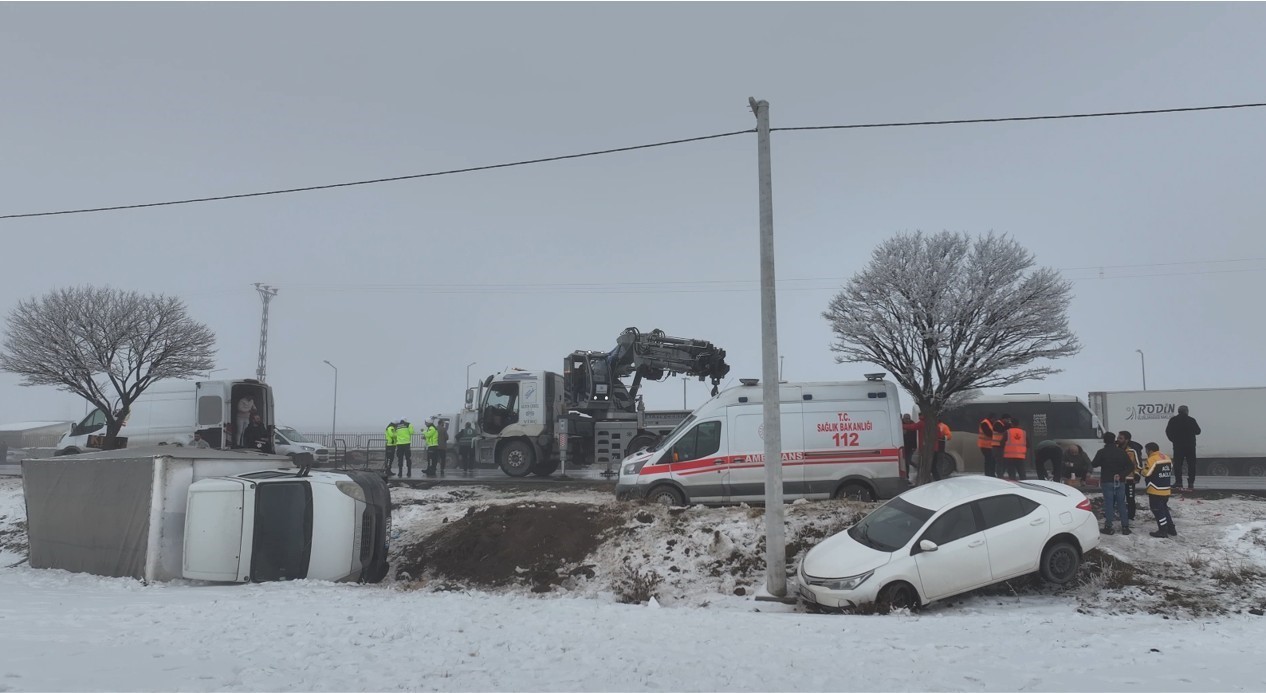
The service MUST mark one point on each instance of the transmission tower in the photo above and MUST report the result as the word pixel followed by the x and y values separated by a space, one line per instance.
pixel 266 294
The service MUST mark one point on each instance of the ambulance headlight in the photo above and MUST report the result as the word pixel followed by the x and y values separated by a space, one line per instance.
pixel 633 468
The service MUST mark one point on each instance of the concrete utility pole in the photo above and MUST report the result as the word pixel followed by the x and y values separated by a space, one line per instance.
pixel 334 419
pixel 775 531
pixel 1143 365
pixel 266 294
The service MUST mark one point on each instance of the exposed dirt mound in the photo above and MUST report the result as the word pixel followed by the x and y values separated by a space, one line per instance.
pixel 540 544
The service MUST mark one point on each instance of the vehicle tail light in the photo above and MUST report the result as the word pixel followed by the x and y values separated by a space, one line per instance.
pixel 1084 505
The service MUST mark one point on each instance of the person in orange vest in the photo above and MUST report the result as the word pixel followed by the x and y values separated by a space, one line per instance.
pixel 985 441
pixel 1014 450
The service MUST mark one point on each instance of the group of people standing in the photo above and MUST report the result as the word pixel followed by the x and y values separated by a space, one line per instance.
pixel 1121 463
pixel 399 437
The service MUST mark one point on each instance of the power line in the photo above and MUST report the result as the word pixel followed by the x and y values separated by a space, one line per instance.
pixel 372 181
pixel 528 162
pixel 1015 119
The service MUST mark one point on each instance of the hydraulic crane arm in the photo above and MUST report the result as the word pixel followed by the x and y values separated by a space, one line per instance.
pixel 654 355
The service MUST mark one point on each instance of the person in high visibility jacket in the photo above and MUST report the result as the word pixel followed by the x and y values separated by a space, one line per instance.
pixel 390 450
pixel 1014 450
pixel 434 455
pixel 984 442
pixel 404 447
pixel 1159 473
pixel 433 451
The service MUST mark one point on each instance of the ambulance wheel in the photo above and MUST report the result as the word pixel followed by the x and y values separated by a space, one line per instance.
pixel 516 458
pixel 666 495
pixel 854 490
pixel 640 442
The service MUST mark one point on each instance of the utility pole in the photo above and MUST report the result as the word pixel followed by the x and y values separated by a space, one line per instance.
pixel 266 294
pixel 683 393
pixel 1143 365
pixel 775 531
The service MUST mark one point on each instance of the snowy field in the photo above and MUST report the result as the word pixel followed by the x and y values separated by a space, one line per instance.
pixel 1165 615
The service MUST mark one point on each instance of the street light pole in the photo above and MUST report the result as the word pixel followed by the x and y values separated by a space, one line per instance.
pixel 468 373
pixel 1143 365
pixel 334 421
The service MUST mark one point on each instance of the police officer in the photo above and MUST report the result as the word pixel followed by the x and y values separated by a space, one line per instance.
pixel 404 447
pixel 390 450
pixel 433 452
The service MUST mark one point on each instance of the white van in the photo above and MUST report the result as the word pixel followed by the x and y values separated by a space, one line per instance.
pixel 169 412
pixel 839 439
pixel 290 442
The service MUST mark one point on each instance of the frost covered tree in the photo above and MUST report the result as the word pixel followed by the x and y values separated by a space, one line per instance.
pixel 946 314
pixel 104 345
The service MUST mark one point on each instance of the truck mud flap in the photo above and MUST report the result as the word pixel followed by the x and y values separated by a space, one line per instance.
pixel 376 525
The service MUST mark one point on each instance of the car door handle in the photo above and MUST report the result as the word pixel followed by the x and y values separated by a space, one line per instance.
pixel 976 543
pixel 1037 521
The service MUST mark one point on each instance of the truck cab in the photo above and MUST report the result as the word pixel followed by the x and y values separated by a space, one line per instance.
pixel 287 525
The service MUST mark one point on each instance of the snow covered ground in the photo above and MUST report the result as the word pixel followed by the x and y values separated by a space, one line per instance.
pixel 63 631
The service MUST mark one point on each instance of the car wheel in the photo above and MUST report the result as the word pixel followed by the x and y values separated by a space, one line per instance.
pixel 856 491
pixel 1219 469
pixel 516 458
pixel 1060 561
pixel 666 495
pixel 898 595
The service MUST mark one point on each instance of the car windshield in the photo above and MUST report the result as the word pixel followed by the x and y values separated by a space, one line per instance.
pixel 292 435
pixel 685 423
pixel 891 526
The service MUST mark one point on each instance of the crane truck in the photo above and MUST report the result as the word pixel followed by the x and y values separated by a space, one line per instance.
pixel 525 419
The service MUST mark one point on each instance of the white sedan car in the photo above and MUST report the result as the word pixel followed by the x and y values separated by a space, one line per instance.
pixel 949 537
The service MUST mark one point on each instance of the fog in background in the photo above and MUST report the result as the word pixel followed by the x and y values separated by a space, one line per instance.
pixel 1158 219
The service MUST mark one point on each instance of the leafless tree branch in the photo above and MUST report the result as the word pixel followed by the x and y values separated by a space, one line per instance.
pixel 104 345
pixel 947 314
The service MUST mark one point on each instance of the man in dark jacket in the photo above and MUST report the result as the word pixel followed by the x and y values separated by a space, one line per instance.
pixel 1114 467
pixel 1182 431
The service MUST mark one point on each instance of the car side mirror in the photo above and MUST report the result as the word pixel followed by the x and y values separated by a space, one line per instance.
pixel 927 546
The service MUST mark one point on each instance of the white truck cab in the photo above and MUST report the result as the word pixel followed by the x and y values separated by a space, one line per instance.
pixel 287 525
pixel 839 439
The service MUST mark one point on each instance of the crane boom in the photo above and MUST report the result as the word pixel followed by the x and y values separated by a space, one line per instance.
pixel 593 378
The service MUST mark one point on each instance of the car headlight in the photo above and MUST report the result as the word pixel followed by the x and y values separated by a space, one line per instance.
pixel 842 584
pixel 633 468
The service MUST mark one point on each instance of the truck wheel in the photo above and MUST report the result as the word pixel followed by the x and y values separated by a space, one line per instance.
pixel 640 442
pixel 1257 470
pixel 545 467
pixel 1219 469
pixel 944 465
pixel 516 458
pixel 666 495
pixel 854 490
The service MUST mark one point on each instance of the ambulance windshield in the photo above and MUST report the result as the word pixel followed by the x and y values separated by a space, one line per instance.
pixel 685 423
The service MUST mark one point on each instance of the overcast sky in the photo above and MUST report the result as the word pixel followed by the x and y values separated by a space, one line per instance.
pixel 402 284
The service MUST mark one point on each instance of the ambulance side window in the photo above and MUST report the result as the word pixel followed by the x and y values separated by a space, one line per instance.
pixel 701 441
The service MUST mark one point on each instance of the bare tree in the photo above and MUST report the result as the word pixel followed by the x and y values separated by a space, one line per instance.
pixel 946 314
pixel 105 345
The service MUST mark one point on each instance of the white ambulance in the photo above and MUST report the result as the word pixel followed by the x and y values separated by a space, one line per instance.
pixel 839 440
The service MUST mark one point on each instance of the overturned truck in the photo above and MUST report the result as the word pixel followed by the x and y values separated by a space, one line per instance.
pixel 165 513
